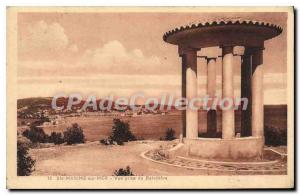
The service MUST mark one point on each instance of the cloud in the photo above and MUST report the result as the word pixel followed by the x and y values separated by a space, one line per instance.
pixel 40 40
pixel 113 57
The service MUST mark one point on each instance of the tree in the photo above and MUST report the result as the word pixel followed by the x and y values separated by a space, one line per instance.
pixel 74 134
pixel 121 132
pixel 56 138
pixel 36 135
pixel 170 134
pixel 25 164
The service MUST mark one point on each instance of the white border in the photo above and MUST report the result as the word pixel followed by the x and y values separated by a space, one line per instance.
pixel 102 3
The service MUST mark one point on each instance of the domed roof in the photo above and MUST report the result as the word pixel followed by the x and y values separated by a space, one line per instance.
pixel 214 32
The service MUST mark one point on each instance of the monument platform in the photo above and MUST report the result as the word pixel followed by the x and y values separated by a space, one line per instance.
pixel 242 148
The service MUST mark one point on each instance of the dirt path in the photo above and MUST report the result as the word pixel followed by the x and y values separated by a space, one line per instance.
pixel 99 160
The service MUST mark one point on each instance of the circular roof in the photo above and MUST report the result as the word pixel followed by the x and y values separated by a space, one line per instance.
pixel 222 32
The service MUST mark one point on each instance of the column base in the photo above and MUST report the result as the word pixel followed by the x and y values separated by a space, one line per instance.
pixel 237 149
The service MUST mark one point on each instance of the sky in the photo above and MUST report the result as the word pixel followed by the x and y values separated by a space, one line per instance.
pixel 124 53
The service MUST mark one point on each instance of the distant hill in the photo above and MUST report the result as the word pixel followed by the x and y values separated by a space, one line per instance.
pixel 45 103
pixel 33 104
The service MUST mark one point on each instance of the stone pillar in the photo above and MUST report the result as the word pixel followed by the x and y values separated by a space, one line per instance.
pixel 227 93
pixel 183 94
pixel 190 59
pixel 246 73
pixel 211 92
pixel 257 121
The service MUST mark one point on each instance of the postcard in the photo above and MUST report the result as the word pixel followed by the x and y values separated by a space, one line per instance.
pixel 150 97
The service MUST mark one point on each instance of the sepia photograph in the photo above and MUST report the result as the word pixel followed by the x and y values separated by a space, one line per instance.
pixel 150 98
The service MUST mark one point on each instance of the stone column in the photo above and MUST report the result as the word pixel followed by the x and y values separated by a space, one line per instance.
pixel 227 93
pixel 246 73
pixel 183 94
pixel 257 121
pixel 190 59
pixel 211 92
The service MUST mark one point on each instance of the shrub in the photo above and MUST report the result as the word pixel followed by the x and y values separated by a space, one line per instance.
pixel 25 164
pixel 106 141
pixel 25 141
pixel 25 133
pixel 275 136
pixel 123 172
pixel 170 134
pixel 36 135
pixel 74 134
pixel 121 132
pixel 56 138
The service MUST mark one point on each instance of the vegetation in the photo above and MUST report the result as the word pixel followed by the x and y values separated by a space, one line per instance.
pixel 25 164
pixel 121 132
pixel 36 135
pixel 106 141
pixel 170 134
pixel 74 135
pixel 123 172
pixel 275 136
pixel 56 138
